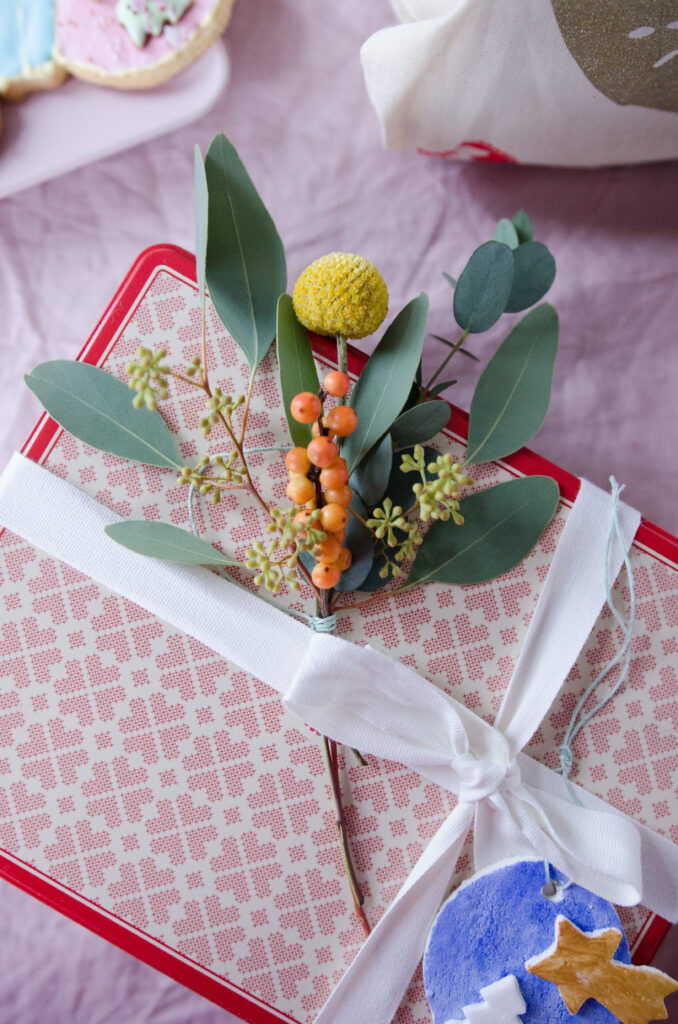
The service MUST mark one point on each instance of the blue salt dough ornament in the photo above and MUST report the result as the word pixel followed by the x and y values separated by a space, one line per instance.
pixel 487 930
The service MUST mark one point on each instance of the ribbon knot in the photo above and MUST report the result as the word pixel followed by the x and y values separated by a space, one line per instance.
pixel 481 777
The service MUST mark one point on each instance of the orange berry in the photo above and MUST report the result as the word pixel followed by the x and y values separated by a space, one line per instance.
pixel 340 534
pixel 300 489
pixel 333 517
pixel 327 550
pixel 312 504
pixel 343 559
pixel 341 495
pixel 342 420
pixel 322 451
pixel 305 407
pixel 325 576
pixel 297 461
pixel 335 475
pixel 336 384
pixel 306 516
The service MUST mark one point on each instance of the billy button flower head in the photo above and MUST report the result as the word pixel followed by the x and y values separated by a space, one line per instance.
pixel 341 294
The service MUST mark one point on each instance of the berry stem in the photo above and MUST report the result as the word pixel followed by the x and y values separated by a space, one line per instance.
pixel 329 748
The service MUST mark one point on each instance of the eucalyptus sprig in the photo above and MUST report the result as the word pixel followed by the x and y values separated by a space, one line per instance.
pixel 391 526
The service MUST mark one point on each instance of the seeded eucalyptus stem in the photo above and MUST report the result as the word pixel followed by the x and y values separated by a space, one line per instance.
pixel 447 358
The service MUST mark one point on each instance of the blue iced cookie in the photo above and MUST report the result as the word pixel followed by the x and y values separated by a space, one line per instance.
pixel 26 47
pixel 489 928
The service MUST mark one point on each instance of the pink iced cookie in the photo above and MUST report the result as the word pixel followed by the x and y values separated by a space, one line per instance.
pixel 135 44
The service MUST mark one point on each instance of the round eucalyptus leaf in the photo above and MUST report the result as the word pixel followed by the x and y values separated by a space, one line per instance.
pixel 535 269
pixel 523 226
pixel 484 287
pixel 505 232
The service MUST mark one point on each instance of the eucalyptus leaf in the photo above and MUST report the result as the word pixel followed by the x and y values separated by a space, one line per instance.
pixel 297 367
pixel 523 226
pixel 386 380
pixel 162 540
pixel 452 281
pixel 246 270
pixel 371 477
pixel 361 545
pixel 420 424
pixel 439 388
pixel 484 287
pixel 97 408
pixel 201 202
pixel 470 355
pixel 502 525
pixel 506 232
pixel 535 269
pixel 514 390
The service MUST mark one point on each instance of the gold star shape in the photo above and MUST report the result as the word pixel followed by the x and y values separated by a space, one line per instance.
pixel 581 965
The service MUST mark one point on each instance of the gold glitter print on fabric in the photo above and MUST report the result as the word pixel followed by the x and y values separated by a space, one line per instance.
pixel 628 49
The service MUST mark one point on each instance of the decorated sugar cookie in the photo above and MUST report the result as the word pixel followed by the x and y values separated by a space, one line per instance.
pixel 26 45
pixel 135 44
pixel 491 956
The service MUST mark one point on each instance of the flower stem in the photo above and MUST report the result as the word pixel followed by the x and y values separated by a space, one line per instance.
pixel 329 748
pixel 342 361
pixel 447 359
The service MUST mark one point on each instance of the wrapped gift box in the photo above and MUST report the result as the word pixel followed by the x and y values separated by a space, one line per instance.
pixel 168 801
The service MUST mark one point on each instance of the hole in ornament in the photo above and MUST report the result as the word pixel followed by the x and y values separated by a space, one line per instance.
pixel 553 891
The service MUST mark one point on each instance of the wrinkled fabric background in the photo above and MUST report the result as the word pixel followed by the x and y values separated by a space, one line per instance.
pixel 297 111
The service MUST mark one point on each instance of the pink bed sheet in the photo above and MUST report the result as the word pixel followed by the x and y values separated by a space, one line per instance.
pixel 297 111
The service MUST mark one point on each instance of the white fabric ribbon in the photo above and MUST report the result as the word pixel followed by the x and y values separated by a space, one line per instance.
pixel 367 700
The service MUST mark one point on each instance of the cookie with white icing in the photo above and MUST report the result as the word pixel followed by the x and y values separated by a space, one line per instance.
pixel 26 48
pixel 135 44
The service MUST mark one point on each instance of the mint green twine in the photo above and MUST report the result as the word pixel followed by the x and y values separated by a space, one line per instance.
pixel 318 624
pixel 579 719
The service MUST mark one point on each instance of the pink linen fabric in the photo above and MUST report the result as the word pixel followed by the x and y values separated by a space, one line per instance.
pixel 297 110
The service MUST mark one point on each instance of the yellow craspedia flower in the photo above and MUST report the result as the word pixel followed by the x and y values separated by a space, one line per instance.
pixel 341 294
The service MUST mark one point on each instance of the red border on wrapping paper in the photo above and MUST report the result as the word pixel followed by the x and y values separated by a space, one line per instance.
pixel 129 938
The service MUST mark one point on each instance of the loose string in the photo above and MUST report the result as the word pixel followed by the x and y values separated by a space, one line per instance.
pixel 319 624
pixel 623 655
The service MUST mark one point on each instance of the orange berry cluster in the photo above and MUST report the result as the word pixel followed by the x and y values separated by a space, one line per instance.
pixel 319 476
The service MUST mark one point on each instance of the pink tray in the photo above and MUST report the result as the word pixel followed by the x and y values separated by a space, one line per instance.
pixel 52 133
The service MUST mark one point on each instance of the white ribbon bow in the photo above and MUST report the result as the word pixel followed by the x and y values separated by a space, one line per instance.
pixel 365 699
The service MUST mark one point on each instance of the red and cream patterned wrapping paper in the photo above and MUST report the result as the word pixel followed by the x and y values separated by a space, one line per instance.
pixel 167 800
